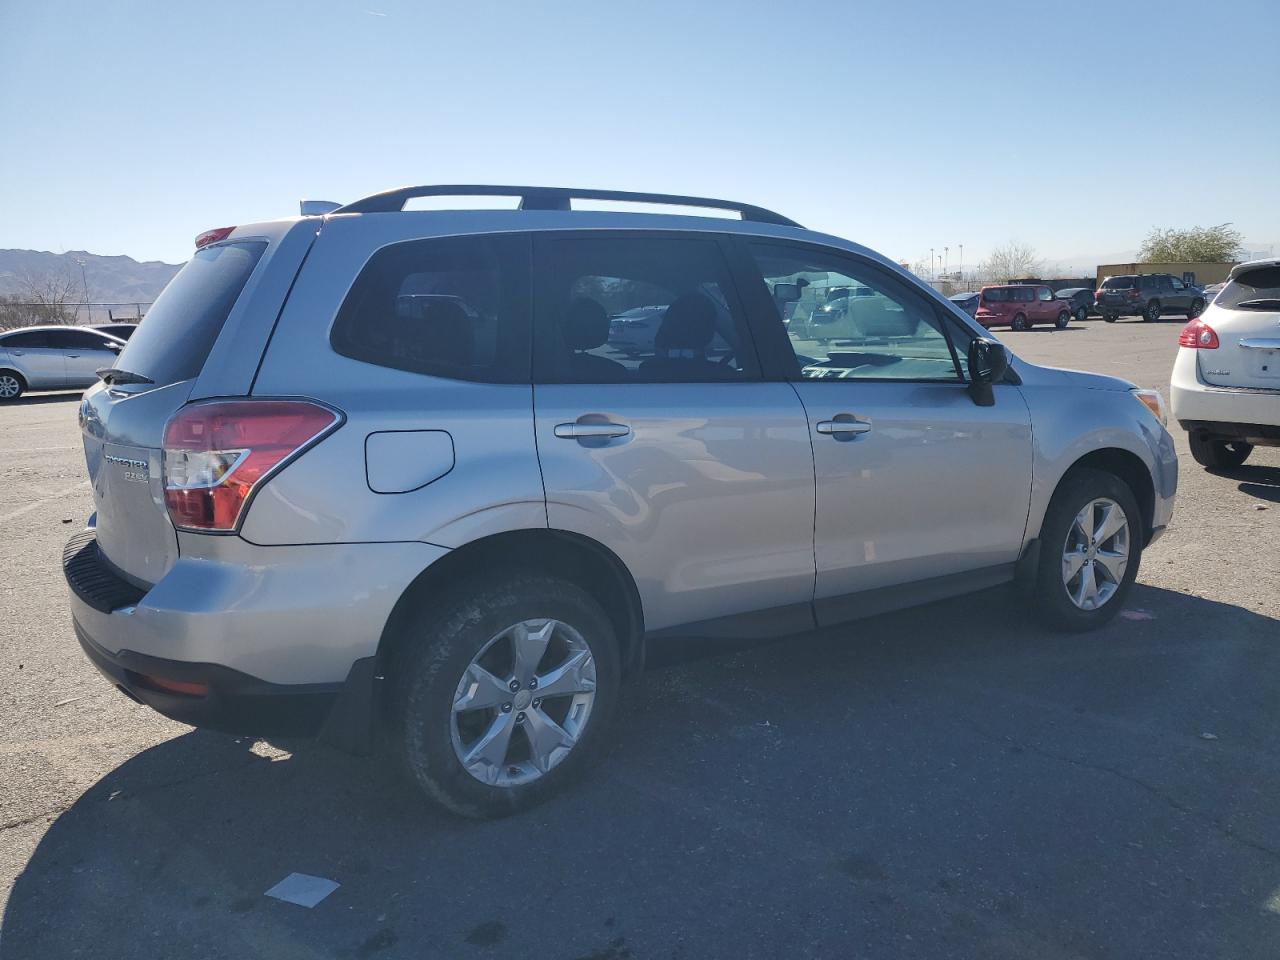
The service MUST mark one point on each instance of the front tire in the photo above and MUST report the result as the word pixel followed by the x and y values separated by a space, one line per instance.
pixel 504 692
pixel 1090 547
pixel 1063 319
pixel 1019 322
pixel 1218 454
pixel 1152 313
pixel 1111 317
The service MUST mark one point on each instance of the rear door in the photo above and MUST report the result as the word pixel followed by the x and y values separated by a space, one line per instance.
pixel 672 451
pixel 1246 318
pixel 914 481
pixel 223 290
pixel 38 358
pixel 86 354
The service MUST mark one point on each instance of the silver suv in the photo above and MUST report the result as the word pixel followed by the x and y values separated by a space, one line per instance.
pixel 417 477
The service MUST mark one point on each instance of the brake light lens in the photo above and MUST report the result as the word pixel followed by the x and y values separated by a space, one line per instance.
pixel 1198 335
pixel 216 454
pixel 213 236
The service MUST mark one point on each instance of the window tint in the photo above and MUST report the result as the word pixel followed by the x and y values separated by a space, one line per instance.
pixel 29 339
pixel 997 295
pixel 1119 283
pixel 455 307
pixel 1177 284
pixel 83 340
pixel 1046 293
pixel 847 319
pixel 182 325
pixel 648 309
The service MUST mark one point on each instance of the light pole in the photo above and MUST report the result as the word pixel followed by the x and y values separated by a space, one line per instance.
pixel 931 264
pixel 88 315
pixel 962 262
pixel 946 260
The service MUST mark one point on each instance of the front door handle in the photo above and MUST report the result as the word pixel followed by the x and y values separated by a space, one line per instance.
pixel 844 426
pixel 591 431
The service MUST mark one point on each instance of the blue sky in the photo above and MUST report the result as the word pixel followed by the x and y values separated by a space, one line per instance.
pixel 132 126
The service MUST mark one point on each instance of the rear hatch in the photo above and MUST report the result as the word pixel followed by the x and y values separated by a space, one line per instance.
pixel 219 295
pixel 1119 291
pixel 1246 318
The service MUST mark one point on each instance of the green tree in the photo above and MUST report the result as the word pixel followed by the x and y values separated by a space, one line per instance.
pixel 1220 244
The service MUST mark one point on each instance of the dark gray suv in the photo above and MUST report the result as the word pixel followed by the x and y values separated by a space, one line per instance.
pixel 1149 296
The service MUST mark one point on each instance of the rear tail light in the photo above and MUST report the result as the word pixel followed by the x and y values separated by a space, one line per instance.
pixel 217 454
pixel 1198 335
pixel 213 236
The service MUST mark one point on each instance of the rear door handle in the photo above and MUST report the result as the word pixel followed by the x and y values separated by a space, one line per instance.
pixel 586 431
pixel 844 426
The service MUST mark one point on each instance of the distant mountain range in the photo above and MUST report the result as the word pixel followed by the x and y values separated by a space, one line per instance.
pixel 121 280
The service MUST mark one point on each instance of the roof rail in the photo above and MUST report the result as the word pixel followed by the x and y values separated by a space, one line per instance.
pixel 554 198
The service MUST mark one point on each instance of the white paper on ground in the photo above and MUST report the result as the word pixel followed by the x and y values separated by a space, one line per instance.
pixel 304 890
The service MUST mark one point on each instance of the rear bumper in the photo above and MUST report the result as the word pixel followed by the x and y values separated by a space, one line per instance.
pixel 1225 412
pixel 234 702
pixel 278 641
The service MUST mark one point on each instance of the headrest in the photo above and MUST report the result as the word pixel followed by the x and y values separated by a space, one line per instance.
pixel 586 324
pixel 688 324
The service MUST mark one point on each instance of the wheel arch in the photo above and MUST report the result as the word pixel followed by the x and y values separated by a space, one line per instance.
pixel 17 373
pixel 1130 468
pixel 584 561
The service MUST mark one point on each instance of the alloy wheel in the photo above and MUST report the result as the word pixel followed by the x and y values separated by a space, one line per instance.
pixel 1096 554
pixel 523 703
pixel 9 386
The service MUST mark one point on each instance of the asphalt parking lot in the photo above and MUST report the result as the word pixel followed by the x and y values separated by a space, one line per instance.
pixel 950 781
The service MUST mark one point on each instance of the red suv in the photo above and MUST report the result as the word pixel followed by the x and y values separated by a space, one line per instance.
pixel 1022 306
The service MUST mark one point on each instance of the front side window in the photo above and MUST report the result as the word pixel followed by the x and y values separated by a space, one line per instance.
pixel 1177 284
pixel 453 307
pixel 847 319
pixel 1046 293
pixel 647 309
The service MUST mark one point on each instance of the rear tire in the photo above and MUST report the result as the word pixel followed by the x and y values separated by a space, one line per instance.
pixel 1218 454
pixel 1019 322
pixel 1082 314
pixel 1111 317
pixel 1152 313
pixel 1197 308
pixel 1063 319
pixel 445 643
pixel 1053 593
pixel 12 386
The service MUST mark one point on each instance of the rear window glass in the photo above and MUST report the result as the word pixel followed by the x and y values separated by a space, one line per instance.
pixel 1256 289
pixel 1119 283
pixel 997 295
pixel 455 307
pixel 179 330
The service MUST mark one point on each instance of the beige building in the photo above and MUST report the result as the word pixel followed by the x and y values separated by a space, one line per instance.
pixel 1205 273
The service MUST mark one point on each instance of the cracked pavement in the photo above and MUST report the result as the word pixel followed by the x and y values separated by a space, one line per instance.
pixel 950 781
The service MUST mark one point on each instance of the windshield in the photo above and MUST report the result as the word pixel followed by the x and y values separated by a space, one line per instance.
pixel 180 328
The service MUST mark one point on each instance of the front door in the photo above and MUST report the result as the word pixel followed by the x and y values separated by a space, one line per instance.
pixel 914 481
pixel 657 436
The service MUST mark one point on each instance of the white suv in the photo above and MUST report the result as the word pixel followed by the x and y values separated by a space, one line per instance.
pixel 1226 380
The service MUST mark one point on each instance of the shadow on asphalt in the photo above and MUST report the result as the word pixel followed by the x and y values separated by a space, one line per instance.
pixel 951 781
pixel 1256 480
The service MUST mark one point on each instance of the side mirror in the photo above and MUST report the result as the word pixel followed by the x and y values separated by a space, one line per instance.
pixel 988 363
pixel 786 292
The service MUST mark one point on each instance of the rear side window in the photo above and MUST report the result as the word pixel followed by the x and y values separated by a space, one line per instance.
pixel 642 309
pixel 454 307
pixel 179 330
pixel 1256 289
pixel 997 295
pixel 29 339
